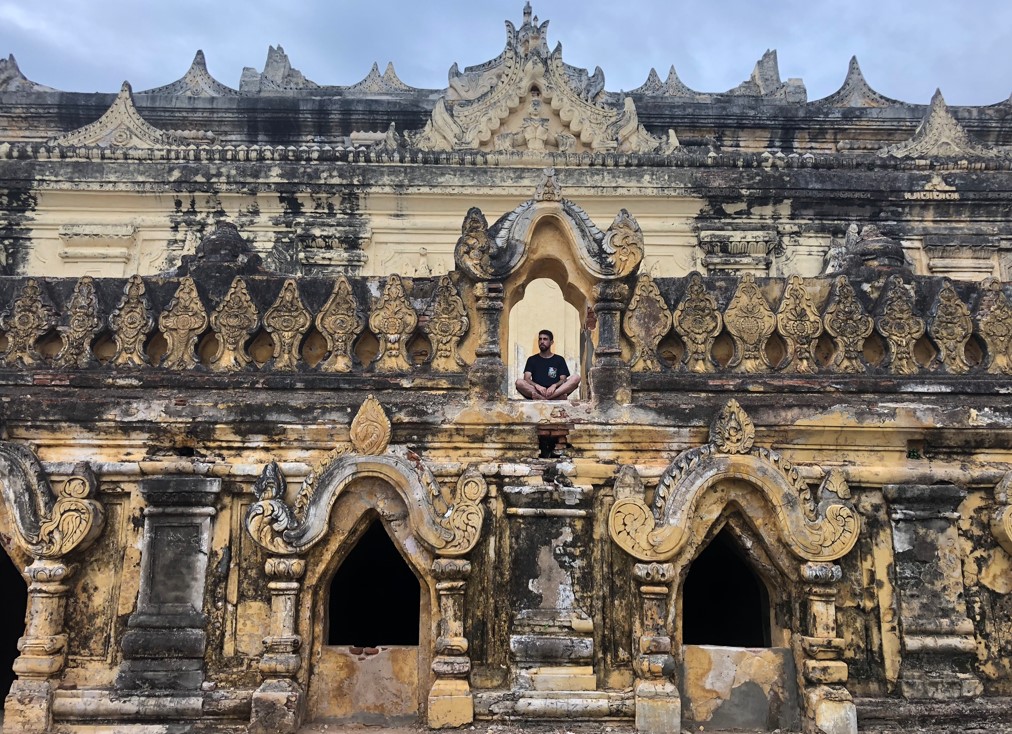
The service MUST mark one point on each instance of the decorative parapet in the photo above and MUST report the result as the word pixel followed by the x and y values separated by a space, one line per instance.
pixel 816 526
pixel 764 82
pixel 448 522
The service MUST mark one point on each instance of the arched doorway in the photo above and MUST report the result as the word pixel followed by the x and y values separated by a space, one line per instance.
pixel 544 306
pixel 12 619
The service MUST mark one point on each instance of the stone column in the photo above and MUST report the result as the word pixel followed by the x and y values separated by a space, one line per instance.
pixel 829 707
pixel 29 705
pixel 488 373
pixel 163 648
pixel 450 700
pixel 658 705
pixel 938 639
pixel 609 377
pixel 279 702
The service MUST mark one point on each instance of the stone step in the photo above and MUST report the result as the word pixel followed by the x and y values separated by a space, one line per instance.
pixel 564 678
pixel 568 705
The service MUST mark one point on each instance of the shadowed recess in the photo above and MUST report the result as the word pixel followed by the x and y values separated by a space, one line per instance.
pixel 12 619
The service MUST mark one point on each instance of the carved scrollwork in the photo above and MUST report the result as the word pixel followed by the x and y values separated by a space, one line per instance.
pixel 646 321
pixel 269 517
pixel 994 322
pixel 25 322
pixel 732 431
pixel 48 525
pixel 849 325
pixel 83 323
pixel 473 253
pixel 819 527
pixel 750 322
pixel 392 321
pixel 800 325
pixel 950 328
pixel 1001 519
pixel 233 321
pixel 900 327
pixel 340 321
pixel 370 429
pixel 623 245
pixel 287 320
pixel 446 324
pixel 466 514
pixel 131 323
pixel 182 323
pixel 698 322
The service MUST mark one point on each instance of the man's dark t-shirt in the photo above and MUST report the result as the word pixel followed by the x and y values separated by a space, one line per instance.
pixel 546 372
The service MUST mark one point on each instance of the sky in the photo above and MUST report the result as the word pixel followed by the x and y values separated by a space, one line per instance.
pixel 906 48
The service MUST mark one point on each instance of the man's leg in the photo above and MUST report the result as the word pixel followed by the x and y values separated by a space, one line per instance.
pixel 563 391
pixel 524 389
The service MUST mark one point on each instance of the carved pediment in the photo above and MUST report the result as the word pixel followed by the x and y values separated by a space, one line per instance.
pixel 196 82
pixel 941 136
pixel 12 80
pixel 528 99
pixel 277 76
pixel 856 92
pixel 375 83
pixel 123 127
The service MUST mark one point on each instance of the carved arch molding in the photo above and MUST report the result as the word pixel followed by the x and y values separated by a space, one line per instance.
pixel 448 522
pixel 818 527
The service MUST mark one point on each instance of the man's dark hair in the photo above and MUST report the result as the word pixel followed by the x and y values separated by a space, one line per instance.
pixel 546 332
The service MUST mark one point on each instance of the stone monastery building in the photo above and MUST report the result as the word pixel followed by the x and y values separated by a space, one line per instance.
pixel 263 464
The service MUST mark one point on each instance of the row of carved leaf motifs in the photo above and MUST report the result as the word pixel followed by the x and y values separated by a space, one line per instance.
pixel 750 322
pixel 234 321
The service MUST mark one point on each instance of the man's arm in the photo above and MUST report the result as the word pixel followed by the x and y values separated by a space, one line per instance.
pixel 535 388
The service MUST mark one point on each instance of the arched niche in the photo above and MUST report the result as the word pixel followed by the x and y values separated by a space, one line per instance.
pixel 551 289
pixel 345 684
pixel 14 589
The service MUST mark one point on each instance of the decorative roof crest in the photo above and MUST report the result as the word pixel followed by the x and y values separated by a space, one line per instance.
pixel 278 76
pixel 12 80
pixel 376 83
pixel 196 82
pixel 764 82
pixel 856 92
pixel 121 126
pixel 941 136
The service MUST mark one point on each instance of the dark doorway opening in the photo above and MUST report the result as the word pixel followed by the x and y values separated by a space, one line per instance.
pixel 12 620
pixel 374 596
pixel 724 602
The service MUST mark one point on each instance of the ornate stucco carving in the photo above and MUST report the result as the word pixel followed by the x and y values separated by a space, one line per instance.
pixel 131 322
pixel 856 92
pixel 449 522
pixel 647 319
pixel 81 326
pixel 941 136
pixel 994 323
pixel 799 323
pixel 849 325
pixel 528 99
pixel 487 253
pixel 951 327
pixel 764 82
pixel 121 126
pixel 196 82
pixel 182 323
pixel 1001 518
pixel 287 321
pixel 12 80
pixel 375 83
pixel 234 321
pixel 278 76
pixel 698 322
pixel 393 320
pixel 896 322
pixel 447 323
pixel 340 321
pixel 48 525
pixel 25 321
pixel 750 322
pixel 821 526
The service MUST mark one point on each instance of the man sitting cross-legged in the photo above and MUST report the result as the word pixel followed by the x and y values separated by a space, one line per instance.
pixel 546 375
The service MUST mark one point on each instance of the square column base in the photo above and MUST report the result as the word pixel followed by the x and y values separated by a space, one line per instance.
pixel 450 704
pixel 832 711
pixel 28 708
pixel 277 708
pixel 658 707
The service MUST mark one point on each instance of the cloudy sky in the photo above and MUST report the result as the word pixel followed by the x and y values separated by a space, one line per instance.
pixel 907 48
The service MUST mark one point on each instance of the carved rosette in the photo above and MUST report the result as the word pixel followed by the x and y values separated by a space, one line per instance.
pixel 646 321
pixel 800 325
pixel 750 322
pixel 49 525
pixel 994 322
pixel 950 328
pixel 234 321
pixel 446 324
pixel 287 321
pixel 849 325
pixel 83 323
pixel 623 245
pixel 698 322
pixel 473 252
pixel 131 323
pixel 815 527
pixel 1001 519
pixel 340 321
pixel 25 322
pixel 392 321
pixel 182 323
pixel 900 327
